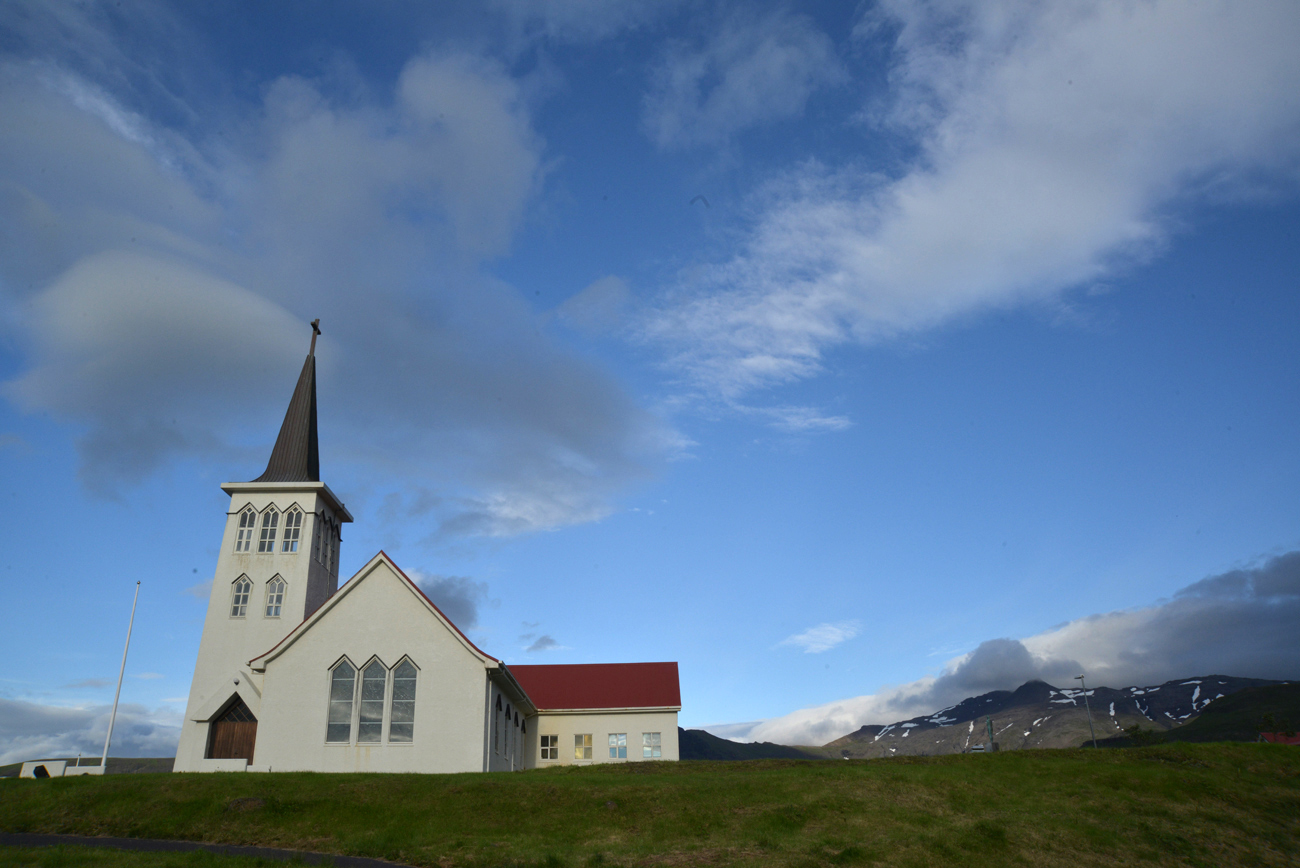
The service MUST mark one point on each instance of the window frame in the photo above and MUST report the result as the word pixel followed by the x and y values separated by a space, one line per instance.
pixel 245 530
pixel 330 701
pixel 268 529
pixel 393 700
pixel 241 589
pixel 652 745
pixel 618 745
pixel 274 596
pixel 583 746
pixel 289 540
pixel 362 699
pixel 550 752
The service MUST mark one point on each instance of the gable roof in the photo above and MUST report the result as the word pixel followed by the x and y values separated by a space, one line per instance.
pixel 600 685
pixel 335 598
pixel 296 455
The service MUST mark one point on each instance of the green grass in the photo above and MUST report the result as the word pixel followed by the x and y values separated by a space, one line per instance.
pixel 91 857
pixel 1185 804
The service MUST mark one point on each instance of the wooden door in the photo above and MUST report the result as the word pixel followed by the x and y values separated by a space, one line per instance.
pixel 233 733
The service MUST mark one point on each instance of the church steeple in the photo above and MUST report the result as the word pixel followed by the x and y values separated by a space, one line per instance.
pixel 296 456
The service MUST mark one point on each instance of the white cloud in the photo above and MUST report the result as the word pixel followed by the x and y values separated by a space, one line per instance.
pixel 823 637
pixel 1053 143
pixel 752 72
pixel 1242 622
pixel 160 283
pixel 32 731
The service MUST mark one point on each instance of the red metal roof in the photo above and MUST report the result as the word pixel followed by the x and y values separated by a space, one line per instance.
pixel 601 685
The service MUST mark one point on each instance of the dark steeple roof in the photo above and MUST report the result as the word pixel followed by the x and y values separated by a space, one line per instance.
pixel 296 456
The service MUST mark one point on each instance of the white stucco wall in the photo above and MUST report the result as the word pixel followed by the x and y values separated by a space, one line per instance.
pixel 599 725
pixel 380 616
pixel 227 643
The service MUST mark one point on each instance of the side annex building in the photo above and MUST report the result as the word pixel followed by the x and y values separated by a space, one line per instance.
pixel 295 673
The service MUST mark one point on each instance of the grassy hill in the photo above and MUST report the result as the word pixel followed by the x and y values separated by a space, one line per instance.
pixel 1185 804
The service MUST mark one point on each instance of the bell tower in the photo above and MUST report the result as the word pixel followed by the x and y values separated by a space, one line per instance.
pixel 278 562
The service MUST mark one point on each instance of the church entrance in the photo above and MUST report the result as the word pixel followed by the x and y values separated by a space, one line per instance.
pixel 233 733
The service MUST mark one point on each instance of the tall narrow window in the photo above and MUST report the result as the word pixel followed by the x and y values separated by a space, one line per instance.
pixel 374 678
pixel 247 523
pixel 401 714
pixel 318 533
pixel 496 729
pixel 239 597
pixel 274 597
pixel 270 521
pixel 327 533
pixel 342 687
pixel 292 530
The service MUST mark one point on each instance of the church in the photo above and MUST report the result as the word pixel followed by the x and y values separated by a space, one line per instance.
pixel 295 673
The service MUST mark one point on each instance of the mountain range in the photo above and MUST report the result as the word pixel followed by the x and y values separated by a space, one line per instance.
pixel 1034 715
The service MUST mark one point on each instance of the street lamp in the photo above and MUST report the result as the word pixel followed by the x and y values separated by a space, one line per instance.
pixel 1084 685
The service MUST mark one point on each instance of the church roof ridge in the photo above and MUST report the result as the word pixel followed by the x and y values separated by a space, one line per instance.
pixel 296 455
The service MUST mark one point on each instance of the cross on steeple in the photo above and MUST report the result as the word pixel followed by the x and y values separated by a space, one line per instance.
pixel 315 330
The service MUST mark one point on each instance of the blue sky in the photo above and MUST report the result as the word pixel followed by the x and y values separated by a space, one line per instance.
pixel 857 357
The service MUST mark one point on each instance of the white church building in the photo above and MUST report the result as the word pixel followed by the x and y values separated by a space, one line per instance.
pixel 295 673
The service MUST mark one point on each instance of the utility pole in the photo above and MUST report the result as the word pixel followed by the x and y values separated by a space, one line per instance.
pixel 103 763
pixel 1087 705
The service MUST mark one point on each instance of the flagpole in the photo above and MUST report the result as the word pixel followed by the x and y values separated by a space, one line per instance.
pixel 103 763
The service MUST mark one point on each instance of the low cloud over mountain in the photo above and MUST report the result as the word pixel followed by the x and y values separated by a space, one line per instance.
pixel 1241 622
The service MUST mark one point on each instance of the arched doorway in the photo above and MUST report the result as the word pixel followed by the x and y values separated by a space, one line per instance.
pixel 233 733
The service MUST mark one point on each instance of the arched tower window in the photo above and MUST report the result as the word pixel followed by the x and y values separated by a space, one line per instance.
pixel 401 710
pixel 270 523
pixel 343 682
pixel 274 597
pixel 247 523
pixel 374 681
pixel 292 530
pixel 239 597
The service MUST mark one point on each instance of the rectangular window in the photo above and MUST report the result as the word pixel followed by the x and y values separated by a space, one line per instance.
pixel 582 746
pixel 550 747
pixel 374 680
pixel 342 686
pixel 650 746
pixel 401 727
pixel 618 745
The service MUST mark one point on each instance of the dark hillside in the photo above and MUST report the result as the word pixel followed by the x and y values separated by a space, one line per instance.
pixel 1235 717
pixel 696 744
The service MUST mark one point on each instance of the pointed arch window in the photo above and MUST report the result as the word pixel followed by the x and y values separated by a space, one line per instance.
pixel 343 682
pixel 247 524
pixel 274 597
pixel 401 709
pixel 292 530
pixel 270 524
pixel 374 683
pixel 239 594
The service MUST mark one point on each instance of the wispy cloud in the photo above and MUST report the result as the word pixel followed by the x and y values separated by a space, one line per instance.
pixel 543 643
pixel 33 731
pixel 88 683
pixel 823 637
pixel 753 71
pixel 1053 144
